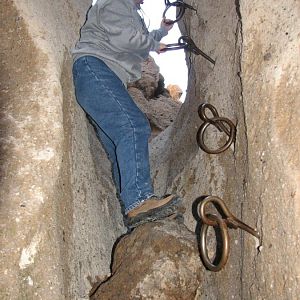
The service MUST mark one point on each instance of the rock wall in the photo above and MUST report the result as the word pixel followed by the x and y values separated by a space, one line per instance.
pixel 57 197
pixel 59 214
pixel 271 92
pixel 181 166
pixel 254 83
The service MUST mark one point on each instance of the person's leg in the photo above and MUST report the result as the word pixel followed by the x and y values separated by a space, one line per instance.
pixel 150 210
pixel 105 99
pixel 110 149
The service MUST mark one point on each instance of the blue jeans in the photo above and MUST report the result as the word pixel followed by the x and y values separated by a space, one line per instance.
pixel 120 125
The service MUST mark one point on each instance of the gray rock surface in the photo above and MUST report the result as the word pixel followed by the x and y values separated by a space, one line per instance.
pixel 271 93
pixel 254 83
pixel 59 213
pixel 149 81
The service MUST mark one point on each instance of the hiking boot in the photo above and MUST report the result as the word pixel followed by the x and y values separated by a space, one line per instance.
pixel 149 204
pixel 155 209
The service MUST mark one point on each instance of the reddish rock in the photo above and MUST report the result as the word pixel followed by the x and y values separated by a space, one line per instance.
pixel 175 91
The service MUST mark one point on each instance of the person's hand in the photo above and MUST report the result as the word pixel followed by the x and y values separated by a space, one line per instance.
pixel 165 23
pixel 161 48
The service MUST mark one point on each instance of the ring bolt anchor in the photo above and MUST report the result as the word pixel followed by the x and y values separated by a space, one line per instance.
pixel 222 124
pixel 228 220
pixel 177 4
pixel 185 42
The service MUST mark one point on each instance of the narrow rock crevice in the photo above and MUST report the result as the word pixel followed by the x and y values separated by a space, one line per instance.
pixel 239 55
pixel 60 215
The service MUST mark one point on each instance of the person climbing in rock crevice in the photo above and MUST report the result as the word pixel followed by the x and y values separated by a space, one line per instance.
pixel 113 43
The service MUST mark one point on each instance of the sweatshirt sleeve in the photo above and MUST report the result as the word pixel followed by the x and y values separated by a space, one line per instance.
pixel 159 33
pixel 116 18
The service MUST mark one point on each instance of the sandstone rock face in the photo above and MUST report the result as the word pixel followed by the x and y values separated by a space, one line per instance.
pixel 57 196
pixel 254 84
pixel 157 260
pixel 59 214
pixel 271 93
pixel 179 165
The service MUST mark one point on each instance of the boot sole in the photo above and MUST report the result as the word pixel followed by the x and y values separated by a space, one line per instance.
pixel 171 208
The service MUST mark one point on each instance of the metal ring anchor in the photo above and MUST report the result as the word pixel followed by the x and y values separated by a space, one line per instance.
pixel 185 42
pixel 227 220
pixel 191 46
pixel 175 46
pixel 182 7
pixel 225 244
pixel 218 122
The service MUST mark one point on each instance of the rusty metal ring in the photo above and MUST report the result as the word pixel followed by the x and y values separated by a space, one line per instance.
pixel 225 221
pixel 217 122
pixel 225 244
pixel 201 111
pixel 178 16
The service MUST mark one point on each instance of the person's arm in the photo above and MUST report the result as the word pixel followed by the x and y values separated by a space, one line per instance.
pixel 158 34
pixel 162 31
pixel 116 18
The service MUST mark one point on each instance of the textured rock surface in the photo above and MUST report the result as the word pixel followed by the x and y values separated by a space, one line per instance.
pixel 254 83
pixel 156 261
pixel 175 91
pixel 59 214
pixel 271 93
pixel 153 99
pixel 149 81
pixel 161 112
pixel 178 163
pixel 56 194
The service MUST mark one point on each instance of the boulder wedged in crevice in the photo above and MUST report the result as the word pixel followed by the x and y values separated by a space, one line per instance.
pixel 161 112
pixel 154 100
pixel 158 260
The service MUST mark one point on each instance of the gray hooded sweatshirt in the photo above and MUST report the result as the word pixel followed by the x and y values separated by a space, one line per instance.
pixel 115 33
